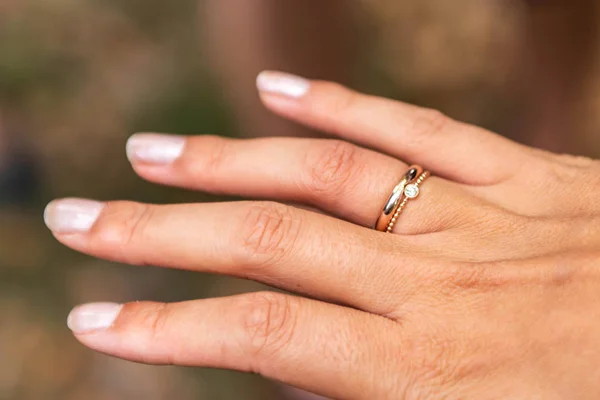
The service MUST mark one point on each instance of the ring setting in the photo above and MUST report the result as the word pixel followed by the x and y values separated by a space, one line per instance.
pixel 412 191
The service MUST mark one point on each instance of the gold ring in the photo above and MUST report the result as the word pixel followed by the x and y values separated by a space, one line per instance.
pixel 396 198
pixel 411 191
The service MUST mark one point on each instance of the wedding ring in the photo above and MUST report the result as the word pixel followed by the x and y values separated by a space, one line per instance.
pixel 397 197
pixel 411 191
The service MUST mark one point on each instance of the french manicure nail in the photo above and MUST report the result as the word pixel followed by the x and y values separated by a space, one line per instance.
pixel 155 149
pixel 93 317
pixel 283 84
pixel 72 215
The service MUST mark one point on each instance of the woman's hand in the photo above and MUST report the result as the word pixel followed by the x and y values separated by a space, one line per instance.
pixel 490 287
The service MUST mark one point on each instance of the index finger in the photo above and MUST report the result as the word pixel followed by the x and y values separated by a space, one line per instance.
pixel 461 152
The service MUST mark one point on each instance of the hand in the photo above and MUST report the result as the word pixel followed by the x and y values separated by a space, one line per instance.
pixel 489 288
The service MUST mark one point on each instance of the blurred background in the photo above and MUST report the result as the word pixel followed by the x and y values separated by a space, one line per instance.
pixel 77 77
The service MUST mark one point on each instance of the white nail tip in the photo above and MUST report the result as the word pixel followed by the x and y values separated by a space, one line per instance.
pixel 72 215
pixel 155 149
pixel 283 84
pixel 93 317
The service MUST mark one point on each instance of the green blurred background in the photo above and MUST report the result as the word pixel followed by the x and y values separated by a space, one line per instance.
pixel 77 77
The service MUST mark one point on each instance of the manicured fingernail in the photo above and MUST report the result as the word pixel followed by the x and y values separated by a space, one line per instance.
pixel 72 215
pixel 93 317
pixel 283 84
pixel 155 149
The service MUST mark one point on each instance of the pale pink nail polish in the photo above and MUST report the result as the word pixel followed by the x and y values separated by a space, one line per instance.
pixel 283 84
pixel 151 148
pixel 72 215
pixel 93 317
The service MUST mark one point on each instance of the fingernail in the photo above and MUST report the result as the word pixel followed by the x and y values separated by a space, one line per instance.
pixel 283 84
pixel 155 149
pixel 72 215
pixel 93 317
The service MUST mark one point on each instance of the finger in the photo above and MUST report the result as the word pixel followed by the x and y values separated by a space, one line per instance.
pixel 335 176
pixel 282 246
pixel 304 343
pixel 460 152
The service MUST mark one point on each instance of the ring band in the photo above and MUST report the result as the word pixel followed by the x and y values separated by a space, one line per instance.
pixel 396 198
pixel 410 192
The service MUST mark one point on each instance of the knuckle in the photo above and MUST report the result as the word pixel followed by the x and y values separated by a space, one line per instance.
pixel 427 124
pixel 151 318
pixel 126 224
pixel 268 232
pixel 158 321
pixel 340 100
pixel 269 323
pixel 215 158
pixel 565 270
pixel 558 174
pixel 138 229
pixel 472 277
pixel 331 167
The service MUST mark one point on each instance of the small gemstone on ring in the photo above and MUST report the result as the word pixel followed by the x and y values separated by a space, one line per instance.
pixel 411 191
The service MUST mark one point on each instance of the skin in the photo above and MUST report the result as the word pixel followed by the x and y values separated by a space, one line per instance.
pixel 489 288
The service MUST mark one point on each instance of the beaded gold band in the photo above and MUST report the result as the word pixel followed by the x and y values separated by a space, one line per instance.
pixel 396 198
pixel 410 192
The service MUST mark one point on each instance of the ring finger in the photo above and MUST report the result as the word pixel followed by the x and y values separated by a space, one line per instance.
pixel 335 176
